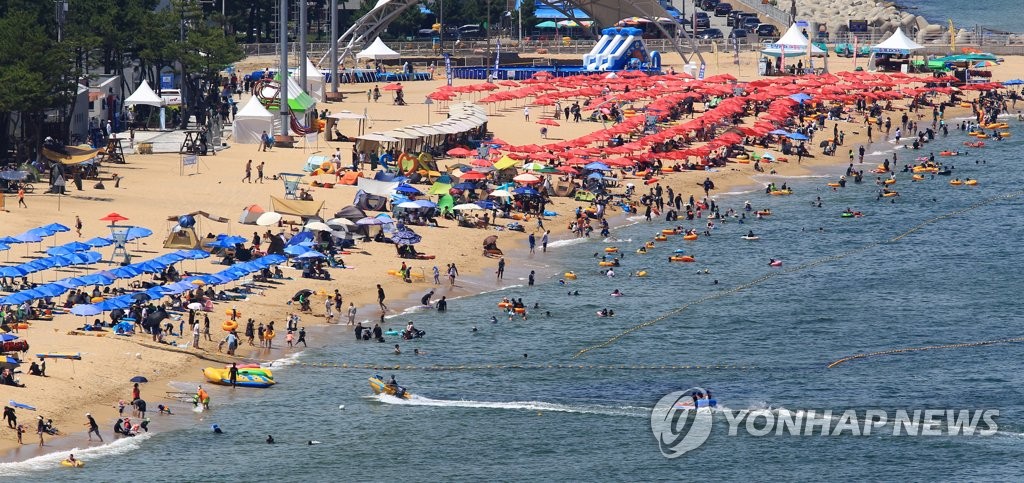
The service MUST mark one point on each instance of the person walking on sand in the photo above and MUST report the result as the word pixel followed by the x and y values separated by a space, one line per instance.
pixel 544 241
pixel 380 298
pixel 437 276
pixel 195 336
pixel 526 113
pixel 259 171
pixel 351 313
pixel 501 268
pixel 206 327
pixel 40 429
pixel 21 203
pixel 78 226
pixel 248 172
pixel 93 427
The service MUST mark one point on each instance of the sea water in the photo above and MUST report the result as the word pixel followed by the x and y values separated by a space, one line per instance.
pixel 559 418
pixel 993 14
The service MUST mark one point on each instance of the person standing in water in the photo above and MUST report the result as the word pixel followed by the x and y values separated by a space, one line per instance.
pixel 93 427
pixel 380 298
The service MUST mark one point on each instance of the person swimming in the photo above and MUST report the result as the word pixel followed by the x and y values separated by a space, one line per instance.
pixel 216 429
pixel 270 439
pixel 494 320
pixel 750 234
pixel 616 293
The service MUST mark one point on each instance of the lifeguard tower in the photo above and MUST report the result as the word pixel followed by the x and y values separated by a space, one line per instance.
pixel 119 235
pixel 291 184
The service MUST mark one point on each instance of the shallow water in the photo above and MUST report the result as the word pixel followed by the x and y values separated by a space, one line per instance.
pixel 952 281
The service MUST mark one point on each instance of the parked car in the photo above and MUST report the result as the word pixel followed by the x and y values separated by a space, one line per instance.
pixel 700 21
pixel 738 34
pixel 472 32
pixel 709 34
pixel 708 5
pixel 730 20
pixel 767 30
pixel 723 9
pixel 171 97
pixel 748 23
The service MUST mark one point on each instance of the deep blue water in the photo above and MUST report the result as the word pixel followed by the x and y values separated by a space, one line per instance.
pixel 955 280
pixel 994 14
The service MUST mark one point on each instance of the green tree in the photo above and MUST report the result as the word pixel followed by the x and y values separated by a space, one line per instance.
pixel 35 70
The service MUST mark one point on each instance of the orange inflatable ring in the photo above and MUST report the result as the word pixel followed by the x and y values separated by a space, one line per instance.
pixel 690 237
pixel 229 325
pixel 681 258
pixel 504 305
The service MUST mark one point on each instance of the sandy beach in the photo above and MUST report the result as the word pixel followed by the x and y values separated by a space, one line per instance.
pixel 152 190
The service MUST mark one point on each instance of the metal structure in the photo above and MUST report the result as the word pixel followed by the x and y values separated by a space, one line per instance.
pixel 605 13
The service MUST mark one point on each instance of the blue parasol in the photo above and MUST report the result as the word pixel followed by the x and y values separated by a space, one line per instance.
pixel 405 237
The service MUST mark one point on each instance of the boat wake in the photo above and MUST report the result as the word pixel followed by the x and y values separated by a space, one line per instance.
pixel 48 462
pixel 539 406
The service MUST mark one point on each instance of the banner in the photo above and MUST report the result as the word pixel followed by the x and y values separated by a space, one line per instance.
pixel 855 52
pixel 782 58
pixel 700 74
pixel 448 67
pixel 736 50
pixel 810 55
pixel 189 160
pixel 497 59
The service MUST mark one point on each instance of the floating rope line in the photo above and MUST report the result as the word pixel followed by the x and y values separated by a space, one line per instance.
pixel 798 268
pixel 928 348
pixel 486 367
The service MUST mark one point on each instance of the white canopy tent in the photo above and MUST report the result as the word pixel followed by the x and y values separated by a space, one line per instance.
pixel 145 96
pixel 378 50
pixel 793 44
pixel 314 81
pixel 251 121
pixel 898 45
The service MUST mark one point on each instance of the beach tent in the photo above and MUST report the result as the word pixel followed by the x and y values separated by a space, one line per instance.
pixel 378 50
pixel 144 96
pixel 305 209
pixel 183 238
pixel 353 213
pixel 250 214
pixel 314 81
pixel 793 44
pixel 314 162
pixel 251 121
pixel 350 177
pixel 298 99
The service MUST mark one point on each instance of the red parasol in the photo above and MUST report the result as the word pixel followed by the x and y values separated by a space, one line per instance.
pixel 394 86
pixel 113 218
pixel 548 122
pixel 471 176
pixel 458 152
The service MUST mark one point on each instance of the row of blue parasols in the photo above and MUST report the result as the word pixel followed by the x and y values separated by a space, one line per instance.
pixel 228 275
pixel 106 277
pixel 37 234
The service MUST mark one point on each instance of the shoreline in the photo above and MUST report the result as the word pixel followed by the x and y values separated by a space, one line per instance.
pixel 269 306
